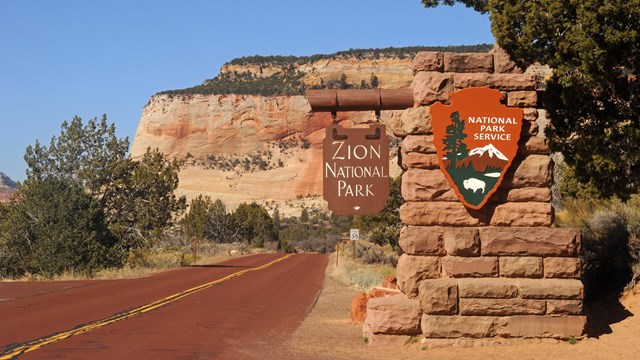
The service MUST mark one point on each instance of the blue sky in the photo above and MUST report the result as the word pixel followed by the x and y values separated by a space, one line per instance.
pixel 87 58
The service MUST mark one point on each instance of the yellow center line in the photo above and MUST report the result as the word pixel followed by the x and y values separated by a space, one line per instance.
pixel 32 345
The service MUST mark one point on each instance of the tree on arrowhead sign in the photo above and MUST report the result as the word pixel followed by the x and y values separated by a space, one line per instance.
pixel 476 139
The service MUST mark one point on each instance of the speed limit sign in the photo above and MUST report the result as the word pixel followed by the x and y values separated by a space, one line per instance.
pixel 355 234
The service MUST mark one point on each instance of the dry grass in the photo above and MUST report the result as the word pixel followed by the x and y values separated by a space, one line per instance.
pixel 361 276
pixel 151 261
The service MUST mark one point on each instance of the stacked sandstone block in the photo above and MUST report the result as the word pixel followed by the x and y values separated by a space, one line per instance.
pixel 498 272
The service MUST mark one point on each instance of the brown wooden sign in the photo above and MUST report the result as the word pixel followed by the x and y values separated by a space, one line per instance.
pixel 356 169
pixel 476 138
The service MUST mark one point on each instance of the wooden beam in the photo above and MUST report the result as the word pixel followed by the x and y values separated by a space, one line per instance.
pixel 332 100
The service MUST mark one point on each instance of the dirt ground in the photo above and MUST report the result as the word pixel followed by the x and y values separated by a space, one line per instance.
pixel 613 332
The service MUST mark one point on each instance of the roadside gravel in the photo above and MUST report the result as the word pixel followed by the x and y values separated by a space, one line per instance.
pixel 327 334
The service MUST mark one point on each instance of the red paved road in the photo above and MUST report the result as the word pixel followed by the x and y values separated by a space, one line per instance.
pixel 236 319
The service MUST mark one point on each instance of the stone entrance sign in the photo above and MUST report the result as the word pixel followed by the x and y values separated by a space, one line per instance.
pixel 476 139
pixel 478 268
pixel 356 169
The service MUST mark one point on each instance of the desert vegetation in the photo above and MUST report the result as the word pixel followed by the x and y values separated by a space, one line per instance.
pixel 86 209
pixel 286 82
pixel 85 205
pixel 356 273
pixel 289 80
pixel 268 159
pixel 406 52
pixel 594 112
pixel 610 241
pixel 315 230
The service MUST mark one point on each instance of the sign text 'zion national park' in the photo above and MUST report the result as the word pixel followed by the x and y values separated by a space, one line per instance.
pixel 356 169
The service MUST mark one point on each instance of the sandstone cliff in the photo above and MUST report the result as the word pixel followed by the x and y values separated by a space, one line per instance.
pixel 392 73
pixel 7 187
pixel 242 148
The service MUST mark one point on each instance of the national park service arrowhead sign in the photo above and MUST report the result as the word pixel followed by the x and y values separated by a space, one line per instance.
pixel 356 169
pixel 476 139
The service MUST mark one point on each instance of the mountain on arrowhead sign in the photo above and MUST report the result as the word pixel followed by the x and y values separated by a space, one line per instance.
pixel 476 139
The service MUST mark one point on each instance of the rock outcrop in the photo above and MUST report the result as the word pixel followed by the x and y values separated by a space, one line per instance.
pixel 281 131
pixel 216 135
pixel 7 187
pixel 392 73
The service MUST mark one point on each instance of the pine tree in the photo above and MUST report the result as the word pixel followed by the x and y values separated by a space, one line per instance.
pixel 374 81
pixel 454 146
pixel 593 96
pixel 343 84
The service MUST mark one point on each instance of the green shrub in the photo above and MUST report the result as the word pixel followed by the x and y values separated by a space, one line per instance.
pixel 370 253
pixel 290 81
pixel 390 52
pixel 54 226
pixel 610 246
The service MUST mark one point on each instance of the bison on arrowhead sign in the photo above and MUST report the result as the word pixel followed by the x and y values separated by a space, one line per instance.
pixel 476 139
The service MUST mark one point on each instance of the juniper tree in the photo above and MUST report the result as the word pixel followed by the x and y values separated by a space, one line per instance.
pixel 593 98
pixel 137 197
pixel 454 145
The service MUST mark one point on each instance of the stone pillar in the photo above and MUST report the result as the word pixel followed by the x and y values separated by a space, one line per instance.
pixel 498 272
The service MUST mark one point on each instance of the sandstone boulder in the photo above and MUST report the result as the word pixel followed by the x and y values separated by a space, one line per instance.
pixel 561 327
pixel 523 84
pixel 428 61
pixel 562 267
pixel 534 145
pixel 502 307
pixel 557 289
pixel 457 266
pixel 426 185
pixel 441 213
pixel 532 171
pixel 527 194
pixel 420 161
pixel 442 326
pixel 529 241
pixel 438 296
pixel 413 269
pixel 390 282
pixel 422 240
pixel 502 63
pixel 415 121
pixel 467 80
pixel 530 114
pixel 522 98
pixel 487 288
pixel 358 311
pixel 418 143
pixel 359 303
pixel 468 62
pixel 523 214
pixel 429 87
pixel 462 241
pixel 530 128
pixel 521 267
pixel 564 307
pixel 394 315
